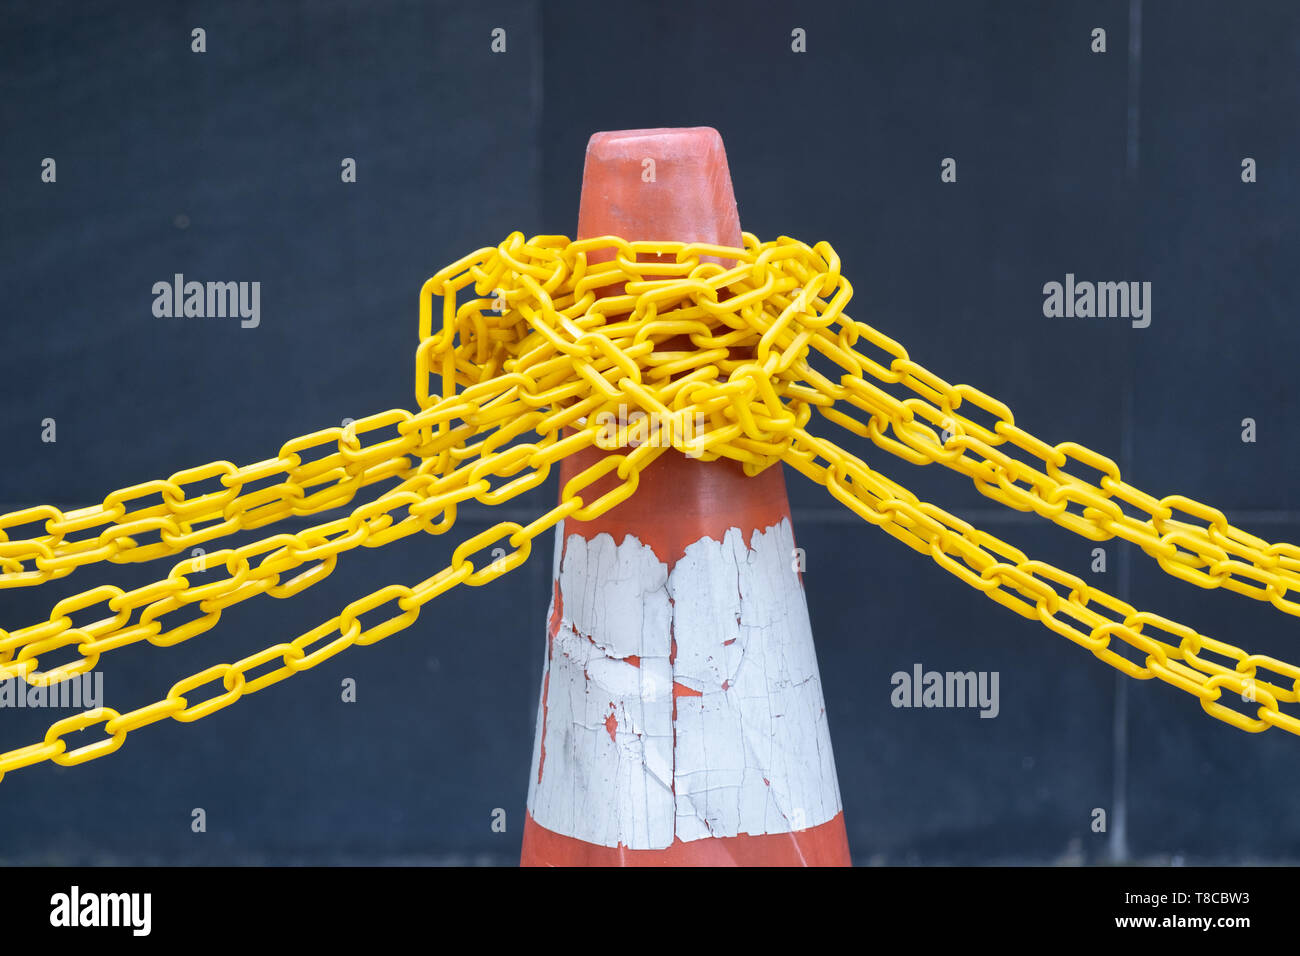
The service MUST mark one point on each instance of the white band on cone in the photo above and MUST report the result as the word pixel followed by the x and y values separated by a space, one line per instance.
pixel 749 751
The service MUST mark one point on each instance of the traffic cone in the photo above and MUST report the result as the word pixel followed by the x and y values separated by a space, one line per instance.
pixel 681 719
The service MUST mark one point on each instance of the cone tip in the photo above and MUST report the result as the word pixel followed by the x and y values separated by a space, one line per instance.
pixel 659 184
pixel 680 140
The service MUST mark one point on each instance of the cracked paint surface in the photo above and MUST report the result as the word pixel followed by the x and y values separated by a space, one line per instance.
pixel 680 703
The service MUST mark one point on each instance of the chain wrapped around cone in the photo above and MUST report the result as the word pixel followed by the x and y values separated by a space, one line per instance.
pixel 547 347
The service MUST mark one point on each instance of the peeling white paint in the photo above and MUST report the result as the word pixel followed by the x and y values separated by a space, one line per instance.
pixel 752 750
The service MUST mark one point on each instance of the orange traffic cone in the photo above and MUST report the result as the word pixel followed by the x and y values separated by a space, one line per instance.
pixel 681 719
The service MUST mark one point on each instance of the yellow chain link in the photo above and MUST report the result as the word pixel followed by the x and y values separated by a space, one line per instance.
pixel 553 335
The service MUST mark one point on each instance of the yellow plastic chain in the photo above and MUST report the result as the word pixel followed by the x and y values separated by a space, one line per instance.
pixel 554 335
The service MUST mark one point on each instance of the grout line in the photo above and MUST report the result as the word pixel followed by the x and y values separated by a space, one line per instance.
pixel 1134 85
pixel 1118 844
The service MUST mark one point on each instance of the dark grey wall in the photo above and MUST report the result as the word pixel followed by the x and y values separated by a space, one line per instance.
pixel 226 166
